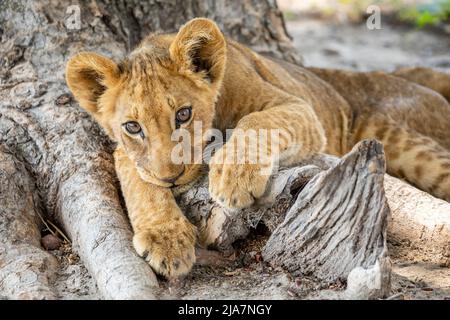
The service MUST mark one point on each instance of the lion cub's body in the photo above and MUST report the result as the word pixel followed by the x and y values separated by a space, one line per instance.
pixel 229 86
pixel 411 120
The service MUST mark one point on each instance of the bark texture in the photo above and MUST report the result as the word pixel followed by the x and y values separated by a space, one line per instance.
pixel 338 221
pixel 21 259
pixel 54 159
pixel 258 24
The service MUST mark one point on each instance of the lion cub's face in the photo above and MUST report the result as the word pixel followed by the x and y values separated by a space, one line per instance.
pixel 148 110
pixel 168 83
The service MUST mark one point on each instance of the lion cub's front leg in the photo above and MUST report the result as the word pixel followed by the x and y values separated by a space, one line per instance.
pixel 237 184
pixel 162 234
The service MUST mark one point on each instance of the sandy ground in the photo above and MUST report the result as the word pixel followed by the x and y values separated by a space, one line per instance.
pixel 355 47
pixel 322 45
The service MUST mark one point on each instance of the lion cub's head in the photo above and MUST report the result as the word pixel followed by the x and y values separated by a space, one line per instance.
pixel 167 83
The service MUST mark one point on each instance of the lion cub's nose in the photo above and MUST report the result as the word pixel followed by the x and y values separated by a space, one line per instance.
pixel 173 179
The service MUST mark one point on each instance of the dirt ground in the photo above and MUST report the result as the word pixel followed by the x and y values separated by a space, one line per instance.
pixel 355 47
pixel 322 45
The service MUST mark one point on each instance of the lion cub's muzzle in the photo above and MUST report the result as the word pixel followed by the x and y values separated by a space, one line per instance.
pixel 174 178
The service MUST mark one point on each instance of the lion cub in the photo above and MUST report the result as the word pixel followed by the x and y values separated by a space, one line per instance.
pixel 172 81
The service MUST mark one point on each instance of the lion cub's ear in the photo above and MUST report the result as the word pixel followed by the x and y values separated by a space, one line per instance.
pixel 88 75
pixel 200 47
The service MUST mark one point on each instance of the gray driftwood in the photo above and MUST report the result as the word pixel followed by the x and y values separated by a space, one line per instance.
pixel 419 226
pixel 338 221
pixel 328 225
pixel 304 207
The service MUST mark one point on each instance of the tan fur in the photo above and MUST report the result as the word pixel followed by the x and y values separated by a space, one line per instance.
pixel 230 86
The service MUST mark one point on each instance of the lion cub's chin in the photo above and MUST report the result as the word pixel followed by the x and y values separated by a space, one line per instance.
pixel 186 181
pixel 148 177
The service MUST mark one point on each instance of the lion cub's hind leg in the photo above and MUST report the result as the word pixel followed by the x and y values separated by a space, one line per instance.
pixel 431 78
pixel 410 155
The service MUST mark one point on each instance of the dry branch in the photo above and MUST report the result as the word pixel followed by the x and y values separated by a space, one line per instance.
pixel 333 214
pixel 338 221
pixel 419 224
pixel 326 224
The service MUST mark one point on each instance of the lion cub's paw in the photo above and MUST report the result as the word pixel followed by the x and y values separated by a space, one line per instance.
pixel 168 248
pixel 237 185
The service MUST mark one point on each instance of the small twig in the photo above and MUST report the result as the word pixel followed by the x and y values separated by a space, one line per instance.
pixel 45 223
pixel 60 232
pixel 398 296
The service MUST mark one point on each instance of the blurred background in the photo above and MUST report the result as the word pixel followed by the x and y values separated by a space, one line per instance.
pixel 334 33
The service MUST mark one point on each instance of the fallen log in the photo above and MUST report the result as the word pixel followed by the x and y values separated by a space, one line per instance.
pixel 338 221
pixel 334 221
pixel 418 225
pixel 336 229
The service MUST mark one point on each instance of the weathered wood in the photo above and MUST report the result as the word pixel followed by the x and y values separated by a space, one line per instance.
pixel 25 269
pixel 334 221
pixel 338 221
pixel 419 226
pixel 334 224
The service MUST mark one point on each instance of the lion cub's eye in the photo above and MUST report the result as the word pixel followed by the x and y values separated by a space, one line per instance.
pixel 132 127
pixel 183 115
